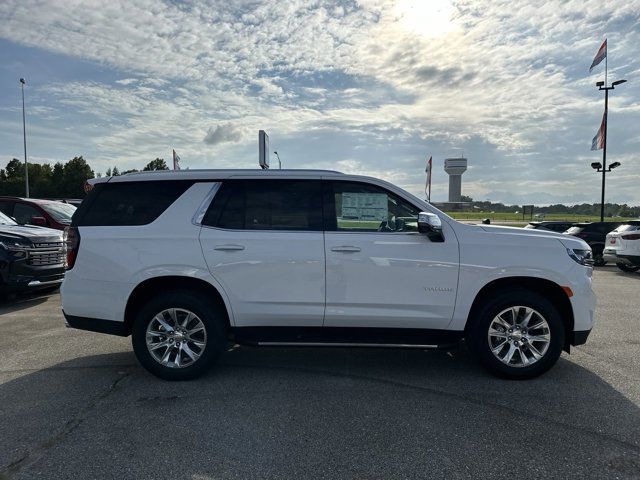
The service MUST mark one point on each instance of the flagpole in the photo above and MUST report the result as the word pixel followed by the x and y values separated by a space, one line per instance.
pixel 606 66
pixel 604 150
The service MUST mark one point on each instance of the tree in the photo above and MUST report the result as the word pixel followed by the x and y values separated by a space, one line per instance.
pixel 76 173
pixel 108 172
pixel 15 169
pixel 115 172
pixel 133 170
pixel 465 198
pixel 157 164
pixel 57 180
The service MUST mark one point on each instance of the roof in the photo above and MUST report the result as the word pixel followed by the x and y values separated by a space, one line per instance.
pixel 34 200
pixel 212 174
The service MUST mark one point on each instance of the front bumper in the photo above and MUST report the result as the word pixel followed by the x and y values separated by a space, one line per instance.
pixel 579 337
pixel 18 275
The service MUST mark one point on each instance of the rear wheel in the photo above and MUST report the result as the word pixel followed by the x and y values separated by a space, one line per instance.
pixel 517 334
pixel 627 268
pixel 179 335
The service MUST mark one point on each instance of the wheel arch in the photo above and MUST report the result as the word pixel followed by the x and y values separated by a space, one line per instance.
pixel 149 288
pixel 544 287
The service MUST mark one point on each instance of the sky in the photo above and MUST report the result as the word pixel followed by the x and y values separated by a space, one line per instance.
pixel 369 87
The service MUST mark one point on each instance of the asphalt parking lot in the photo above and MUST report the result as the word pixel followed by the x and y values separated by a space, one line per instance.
pixel 77 405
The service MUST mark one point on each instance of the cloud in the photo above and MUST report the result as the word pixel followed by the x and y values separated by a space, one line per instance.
pixel 222 134
pixel 372 86
pixel 126 81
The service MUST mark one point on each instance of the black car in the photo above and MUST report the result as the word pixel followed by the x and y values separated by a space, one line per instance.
pixel 31 258
pixel 595 234
pixel 554 226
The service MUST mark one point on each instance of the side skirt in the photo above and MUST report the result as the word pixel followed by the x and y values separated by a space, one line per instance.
pixel 346 337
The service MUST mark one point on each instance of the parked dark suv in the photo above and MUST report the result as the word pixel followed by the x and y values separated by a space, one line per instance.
pixel 43 213
pixel 31 257
pixel 554 226
pixel 595 234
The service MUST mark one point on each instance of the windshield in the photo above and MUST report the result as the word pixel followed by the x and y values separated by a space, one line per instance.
pixel 4 220
pixel 627 228
pixel 62 212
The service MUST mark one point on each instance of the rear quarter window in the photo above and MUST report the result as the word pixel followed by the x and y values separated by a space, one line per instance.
pixel 128 203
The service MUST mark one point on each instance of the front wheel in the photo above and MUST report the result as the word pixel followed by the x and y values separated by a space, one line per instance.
pixel 518 334
pixel 598 260
pixel 179 335
pixel 627 268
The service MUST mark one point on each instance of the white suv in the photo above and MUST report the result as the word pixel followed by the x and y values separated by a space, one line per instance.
pixel 623 246
pixel 189 261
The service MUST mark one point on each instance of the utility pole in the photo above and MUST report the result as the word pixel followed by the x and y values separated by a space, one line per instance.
pixel 596 165
pixel 279 162
pixel 24 137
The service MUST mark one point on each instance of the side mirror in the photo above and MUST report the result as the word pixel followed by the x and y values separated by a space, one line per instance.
pixel 39 221
pixel 430 224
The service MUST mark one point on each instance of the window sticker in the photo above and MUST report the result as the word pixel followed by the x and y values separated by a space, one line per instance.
pixel 365 206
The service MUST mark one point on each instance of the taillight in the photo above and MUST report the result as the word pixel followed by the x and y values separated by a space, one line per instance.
pixel 72 241
pixel 632 236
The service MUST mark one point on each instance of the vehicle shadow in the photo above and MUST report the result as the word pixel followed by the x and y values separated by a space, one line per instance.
pixel 315 413
pixel 15 303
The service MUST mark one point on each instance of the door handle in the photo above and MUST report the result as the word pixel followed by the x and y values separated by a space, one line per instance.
pixel 229 248
pixel 345 248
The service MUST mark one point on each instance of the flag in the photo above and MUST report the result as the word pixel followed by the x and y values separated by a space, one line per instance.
pixel 428 185
pixel 176 161
pixel 598 141
pixel 601 55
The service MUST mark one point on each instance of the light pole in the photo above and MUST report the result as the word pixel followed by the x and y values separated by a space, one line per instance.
pixel 24 138
pixel 279 162
pixel 596 165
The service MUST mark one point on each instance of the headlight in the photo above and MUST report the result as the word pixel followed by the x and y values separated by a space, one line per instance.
pixel 13 244
pixel 583 257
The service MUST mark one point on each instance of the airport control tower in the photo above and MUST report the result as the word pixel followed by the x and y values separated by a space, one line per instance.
pixel 455 167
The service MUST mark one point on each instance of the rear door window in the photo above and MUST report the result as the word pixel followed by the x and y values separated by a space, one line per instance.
pixel 23 213
pixel 6 208
pixel 128 203
pixel 267 205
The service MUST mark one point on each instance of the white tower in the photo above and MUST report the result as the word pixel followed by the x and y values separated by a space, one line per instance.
pixel 455 167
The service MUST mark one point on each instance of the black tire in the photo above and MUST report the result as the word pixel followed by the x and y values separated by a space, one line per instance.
pixel 598 257
pixel 477 333
pixel 211 315
pixel 628 268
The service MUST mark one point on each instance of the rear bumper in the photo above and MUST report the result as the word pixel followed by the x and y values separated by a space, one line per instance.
pixel 611 255
pixel 109 327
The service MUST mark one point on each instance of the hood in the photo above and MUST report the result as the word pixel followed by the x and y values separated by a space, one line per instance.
pixel 31 233
pixel 568 241
pixel 520 231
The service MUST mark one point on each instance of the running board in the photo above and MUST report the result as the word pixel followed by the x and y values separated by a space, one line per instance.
pixel 344 344
pixel 346 337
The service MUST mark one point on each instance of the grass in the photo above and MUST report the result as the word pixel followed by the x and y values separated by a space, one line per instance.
pixel 517 217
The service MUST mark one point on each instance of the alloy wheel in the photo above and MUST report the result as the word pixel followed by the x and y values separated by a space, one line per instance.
pixel 519 336
pixel 176 338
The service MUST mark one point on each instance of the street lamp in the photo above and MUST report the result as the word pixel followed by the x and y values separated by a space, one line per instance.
pixel 24 137
pixel 597 165
pixel 279 162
